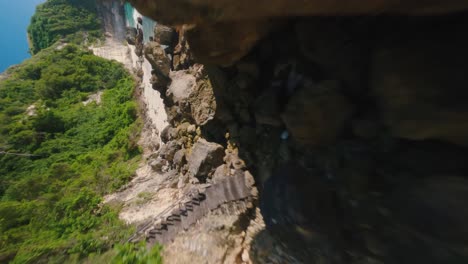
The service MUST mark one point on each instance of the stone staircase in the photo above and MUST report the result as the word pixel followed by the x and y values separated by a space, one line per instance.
pixel 190 208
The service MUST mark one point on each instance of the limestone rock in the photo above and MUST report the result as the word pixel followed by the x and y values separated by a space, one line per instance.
pixel 168 150
pixel 156 56
pixel 182 129
pixel 220 173
pixel 195 11
pixel 165 157
pixel 130 35
pixel 182 86
pixel 418 78
pixel 223 31
pixel 169 133
pixel 316 115
pixel 159 165
pixel 165 35
pixel 204 158
pixel 226 42
pixel 191 129
pixel 233 161
pixel 245 256
pixel 179 158
pixel 194 98
pixel 203 102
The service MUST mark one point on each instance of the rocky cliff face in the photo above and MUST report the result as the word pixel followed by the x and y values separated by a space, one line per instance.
pixel 112 16
pixel 352 127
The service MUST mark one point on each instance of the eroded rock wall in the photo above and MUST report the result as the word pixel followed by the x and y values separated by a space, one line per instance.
pixel 352 127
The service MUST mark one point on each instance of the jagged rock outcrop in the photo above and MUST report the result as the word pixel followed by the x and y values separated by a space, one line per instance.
pixel 156 56
pixel 165 35
pixel 131 35
pixel 165 156
pixel 354 127
pixel 225 31
pixel 194 11
pixel 204 158
pixel 192 95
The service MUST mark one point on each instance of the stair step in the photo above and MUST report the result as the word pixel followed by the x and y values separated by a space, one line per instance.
pixel 154 231
pixel 201 196
pixel 183 213
pixel 175 217
pixel 169 222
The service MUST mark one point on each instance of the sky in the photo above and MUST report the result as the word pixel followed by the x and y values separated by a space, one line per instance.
pixel 14 20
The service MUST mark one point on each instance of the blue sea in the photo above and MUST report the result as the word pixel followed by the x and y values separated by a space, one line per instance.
pixel 14 22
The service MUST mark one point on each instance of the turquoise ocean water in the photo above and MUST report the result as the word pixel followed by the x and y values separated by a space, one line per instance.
pixel 148 24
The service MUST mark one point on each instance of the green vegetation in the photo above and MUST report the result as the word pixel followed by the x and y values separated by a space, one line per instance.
pixel 73 20
pixel 137 254
pixel 59 156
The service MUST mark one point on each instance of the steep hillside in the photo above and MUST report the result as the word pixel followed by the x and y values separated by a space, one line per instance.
pixel 73 20
pixel 69 129
pixel 68 136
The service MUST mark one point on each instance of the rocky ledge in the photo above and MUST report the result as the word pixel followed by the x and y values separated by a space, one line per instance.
pixel 353 128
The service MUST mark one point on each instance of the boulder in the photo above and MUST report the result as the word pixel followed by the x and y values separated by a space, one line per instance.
pixel 130 35
pixel 165 35
pixel 194 98
pixel 204 158
pixel 159 165
pixel 168 150
pixel 220 173
pixel 165 157
pixel 192 129
pixel 202 102
pixel 316 115
pixel 179 158
pixel 419 78
pixel 169 133
pixel 224 43
pixel 182 85
pixel 160 63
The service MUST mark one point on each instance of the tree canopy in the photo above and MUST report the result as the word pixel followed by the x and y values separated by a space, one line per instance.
pixel 50 199
pixel 73 20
